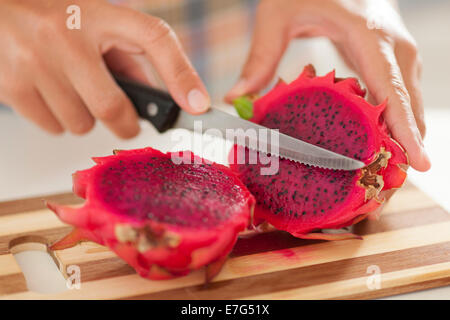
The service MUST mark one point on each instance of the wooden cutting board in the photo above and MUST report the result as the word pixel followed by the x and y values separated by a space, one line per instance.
pixel 409 245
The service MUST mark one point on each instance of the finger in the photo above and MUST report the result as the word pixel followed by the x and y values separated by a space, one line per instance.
pixel 269 42
pixel 410 65
pixel 124 64
pixel 31 106
pixel 165 52
pixel 343 53
pixel 378 67
pixel 135 64
pixel 100 93
pixel 65 103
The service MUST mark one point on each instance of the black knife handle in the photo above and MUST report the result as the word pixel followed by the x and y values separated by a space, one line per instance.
pixel 151 104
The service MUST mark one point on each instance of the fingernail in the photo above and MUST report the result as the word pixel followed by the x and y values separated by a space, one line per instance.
pixel 197 100
pixel 239 89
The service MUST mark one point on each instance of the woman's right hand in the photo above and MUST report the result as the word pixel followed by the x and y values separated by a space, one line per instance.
pixel 58 77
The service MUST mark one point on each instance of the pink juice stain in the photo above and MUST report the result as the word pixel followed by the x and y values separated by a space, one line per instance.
pixel 279 241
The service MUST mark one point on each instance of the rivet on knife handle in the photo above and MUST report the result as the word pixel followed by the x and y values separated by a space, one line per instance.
pixel 151 104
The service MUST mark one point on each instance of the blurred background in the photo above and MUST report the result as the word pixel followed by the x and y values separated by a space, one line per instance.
pixel 216 35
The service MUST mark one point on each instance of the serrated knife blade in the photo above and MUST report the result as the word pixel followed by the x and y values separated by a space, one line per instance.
pixel 287 147
pixel 159 108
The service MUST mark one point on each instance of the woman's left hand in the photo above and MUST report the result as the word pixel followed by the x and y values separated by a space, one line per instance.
pixel 384 55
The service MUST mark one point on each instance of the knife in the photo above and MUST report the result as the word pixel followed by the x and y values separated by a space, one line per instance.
pixel 162 111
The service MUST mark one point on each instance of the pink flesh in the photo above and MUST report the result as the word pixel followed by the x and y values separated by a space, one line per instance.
pixel 301 193
pixel 323 118
pixel 145 186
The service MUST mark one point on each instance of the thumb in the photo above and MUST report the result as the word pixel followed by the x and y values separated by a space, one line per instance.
pixel 268 45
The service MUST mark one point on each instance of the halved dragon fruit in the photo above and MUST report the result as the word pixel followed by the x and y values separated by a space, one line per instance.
pixel 331 113
pixel 162 218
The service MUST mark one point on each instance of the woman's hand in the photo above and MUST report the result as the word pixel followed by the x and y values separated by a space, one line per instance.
pixel 58 77
pixel 372 39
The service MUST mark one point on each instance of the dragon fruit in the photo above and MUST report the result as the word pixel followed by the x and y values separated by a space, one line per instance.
pixel 331 113
pixel 163 218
